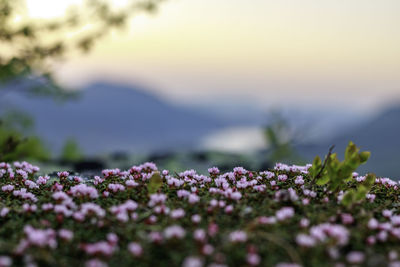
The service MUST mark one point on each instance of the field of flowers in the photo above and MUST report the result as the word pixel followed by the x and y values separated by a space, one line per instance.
pixel 286 216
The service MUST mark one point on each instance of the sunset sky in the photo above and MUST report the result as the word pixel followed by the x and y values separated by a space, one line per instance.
pixel 310 52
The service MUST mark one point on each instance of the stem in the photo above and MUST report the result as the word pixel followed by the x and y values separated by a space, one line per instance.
pixel 324 164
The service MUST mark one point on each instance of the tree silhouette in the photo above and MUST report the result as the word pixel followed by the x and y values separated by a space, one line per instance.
pixel 30 46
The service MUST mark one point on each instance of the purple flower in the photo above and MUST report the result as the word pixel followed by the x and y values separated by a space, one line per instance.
pixel 284 213
pixel 174 231
pixel 135 249
pixel 238 236
pixel 355 257
pixel 192 262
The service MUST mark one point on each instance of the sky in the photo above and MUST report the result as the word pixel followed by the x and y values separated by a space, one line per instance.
pixel 319 53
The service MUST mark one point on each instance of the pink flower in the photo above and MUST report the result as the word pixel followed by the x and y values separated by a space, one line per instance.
pixel 157 199
pixel 177 214
pixel 112 172
pixel 253 259
pixel 7 188
pixel 22 193
pixel 196 218
pixel 238 236
pixel 65 234
pixel 126 207
pixel 5 261
pixel 395 220
pixel 324 231
pixel 387 213
pixel 304 222
pixel 393 255
pixel 371 240
pixel 299 180
pixel 131 183
pixel 22 173
pixel 192 262
pixel 135 249
pixel 199 235
pixel 174 231
pixel 63 174
pixel 182 193
pixel 193 198
pixel 207 249
pixel 101 247
pixel 4 211
pixel 60 196
pixel 229 209
pixel 155 237
pixel 284 213
pixel 305 240
pixel 40 238
pixel 152 219
pixel 373 224
pixel 266 220
pixel 382 236
pixel 239 171
pixel 347 218
pixel 112 238
pixel 370 197
pixel 95 263
pixel 282 177
pixel 97 180
pixel 29 208
pixel 355 257
pixel 82 190
pixel 116 187
pixel 42 180
pixel 213 229
pixel 213 171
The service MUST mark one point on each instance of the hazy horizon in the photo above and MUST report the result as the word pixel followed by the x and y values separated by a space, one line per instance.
pixel 324 53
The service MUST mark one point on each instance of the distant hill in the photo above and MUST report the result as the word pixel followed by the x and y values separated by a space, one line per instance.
pixel 380 135
pixel 109 117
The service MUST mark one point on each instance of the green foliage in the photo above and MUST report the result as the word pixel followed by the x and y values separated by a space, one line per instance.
pixel 155 183
pixel 358 194
pixel 280 138
pixel 337 174
pixel 71 151
pixel 257 214
pixel 14 145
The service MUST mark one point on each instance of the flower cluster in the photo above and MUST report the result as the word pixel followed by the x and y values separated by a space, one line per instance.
pixel 276 217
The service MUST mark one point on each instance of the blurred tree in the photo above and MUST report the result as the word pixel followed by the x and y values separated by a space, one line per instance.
pixel 71 151
pixel 13 145
pixel 281 138
pixel 30 46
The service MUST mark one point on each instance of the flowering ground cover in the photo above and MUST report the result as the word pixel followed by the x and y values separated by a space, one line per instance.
pixel 321 214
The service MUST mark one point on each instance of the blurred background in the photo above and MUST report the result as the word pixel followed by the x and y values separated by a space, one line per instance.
pixel 86 85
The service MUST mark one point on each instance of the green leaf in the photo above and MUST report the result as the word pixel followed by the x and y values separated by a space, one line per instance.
pixel 155 183
pixel 316 167
pixel 351 151
pixel 323 180
pixel 360 193
pixel 369 180
pixel 364 156
pixel 348 198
